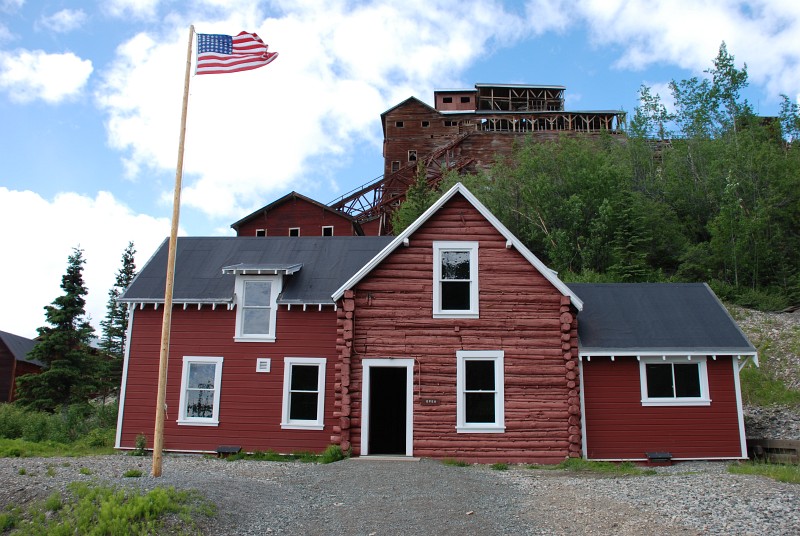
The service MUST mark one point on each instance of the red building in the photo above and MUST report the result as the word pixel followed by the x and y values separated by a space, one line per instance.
pixel 450 340
pixel 14 363
pixel 297 215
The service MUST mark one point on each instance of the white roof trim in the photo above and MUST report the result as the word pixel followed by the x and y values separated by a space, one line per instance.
pixel 460 188
pixel 264 269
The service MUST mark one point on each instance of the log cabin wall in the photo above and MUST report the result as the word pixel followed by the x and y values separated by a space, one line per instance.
pixel 389 314
pixel 618 426
pixel 296 213
pixel 250 401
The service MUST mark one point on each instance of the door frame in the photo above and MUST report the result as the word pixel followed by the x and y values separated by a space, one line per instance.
pixel 408 364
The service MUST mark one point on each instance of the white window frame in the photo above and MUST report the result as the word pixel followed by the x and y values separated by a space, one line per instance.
pixel 498 357
pixel 261 230
pixel 277 283
pixel 200 421
pixel 327 227
pixel 702 400
pixel 438 249
pixel 294 229
pixel 319 422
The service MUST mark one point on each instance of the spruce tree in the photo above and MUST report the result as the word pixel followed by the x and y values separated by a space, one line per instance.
pixel 69 373
pixel 115 325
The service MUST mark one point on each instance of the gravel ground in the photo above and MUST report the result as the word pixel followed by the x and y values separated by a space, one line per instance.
pixel 380 497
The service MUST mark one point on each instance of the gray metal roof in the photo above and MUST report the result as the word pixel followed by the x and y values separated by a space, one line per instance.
pixel 327 262
pixel 631 318
pixel 19 347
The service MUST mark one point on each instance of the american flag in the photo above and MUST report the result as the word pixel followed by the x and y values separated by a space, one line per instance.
pixel 218 54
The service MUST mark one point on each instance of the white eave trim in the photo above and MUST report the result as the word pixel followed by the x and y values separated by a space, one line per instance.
pixel 510 238
pixel 133 304
pixel 612 353
pixel 245 269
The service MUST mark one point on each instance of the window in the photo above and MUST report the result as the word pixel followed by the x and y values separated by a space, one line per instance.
pixel 447 100
pixel 327 230
pixel 395 165
pixel 674 381
pixel 261 232
pixel 200 387
pixel 479 383
pixel 294 231
pixel 412 155
pixel 465 100
pixel 455 280
pixel 451 123
pixel 256 307
pixel 398 124
pixel 303 393
pixel 426 124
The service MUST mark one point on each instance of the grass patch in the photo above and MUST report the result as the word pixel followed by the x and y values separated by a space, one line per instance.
pixel 589 466
pixel 332 454
pixel 85 471
pixel 759 389
pixel 21 448
pixel 499 466
pixel 132 473
pixel 100 510
pixel 455 463
pixel 775 471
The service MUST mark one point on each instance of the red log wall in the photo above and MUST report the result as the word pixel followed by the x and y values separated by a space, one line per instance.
pixel 295 212
pixel 618 426
pixel 390 315
pixel 250 402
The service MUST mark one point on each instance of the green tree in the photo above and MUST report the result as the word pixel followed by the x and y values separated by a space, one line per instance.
pixel 419 197
pixel 115 324
pixel 70 366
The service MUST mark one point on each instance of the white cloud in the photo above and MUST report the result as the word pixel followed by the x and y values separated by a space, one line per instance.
pixel 64 21
pixel 140 9
pixel 5 33
pixel 30 276
pixel 687 33
pixel 29 75
pixel 253 134
pixel 9 6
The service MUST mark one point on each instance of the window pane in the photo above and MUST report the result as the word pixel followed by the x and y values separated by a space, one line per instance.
pixel 255 321
pixel 659 380
pixel 304 378
pixel 687 379
pixel 479 407
pixel 455 295
pixel 257 293
pixel 200 403
pixel 303 406
pixel 479 375
pixel 201 376
pixel 455 265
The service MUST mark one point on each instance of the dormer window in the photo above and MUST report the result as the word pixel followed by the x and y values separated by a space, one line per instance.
pixel 256 307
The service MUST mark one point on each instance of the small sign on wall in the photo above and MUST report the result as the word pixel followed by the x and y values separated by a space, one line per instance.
pixel 430 401
pixel 263 364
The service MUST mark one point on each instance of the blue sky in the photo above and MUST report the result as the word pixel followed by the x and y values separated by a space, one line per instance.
pixel 90 104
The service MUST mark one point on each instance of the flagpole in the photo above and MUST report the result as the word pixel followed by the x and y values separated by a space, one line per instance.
pixel 161 409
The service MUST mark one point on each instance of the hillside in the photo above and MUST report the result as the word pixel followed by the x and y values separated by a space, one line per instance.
pixel 771 394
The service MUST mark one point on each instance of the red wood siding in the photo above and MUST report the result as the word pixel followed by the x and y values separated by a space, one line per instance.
pixel 6 373
pixel 295 212
pixel 520 313
pixel 250 402
pixel 21 369
pixel 618 426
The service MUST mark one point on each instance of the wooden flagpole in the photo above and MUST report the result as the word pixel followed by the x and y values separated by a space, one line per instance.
pixel 158 434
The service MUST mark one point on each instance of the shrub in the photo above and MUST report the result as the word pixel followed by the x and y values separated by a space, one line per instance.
pixel 333 454
pixel 140 447
pixel 12 421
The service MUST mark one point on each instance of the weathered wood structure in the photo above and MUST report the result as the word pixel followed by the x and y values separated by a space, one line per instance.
pixel 465 130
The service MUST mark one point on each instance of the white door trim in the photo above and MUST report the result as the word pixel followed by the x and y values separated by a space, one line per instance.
pixel 388 362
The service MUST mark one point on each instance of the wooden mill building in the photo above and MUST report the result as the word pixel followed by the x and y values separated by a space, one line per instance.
pixel 465 130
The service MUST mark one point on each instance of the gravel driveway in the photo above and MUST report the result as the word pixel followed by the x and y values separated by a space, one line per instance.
pixel 378 497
